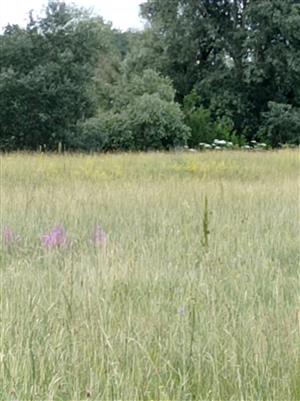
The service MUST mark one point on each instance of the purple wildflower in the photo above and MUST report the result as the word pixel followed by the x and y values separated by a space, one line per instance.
pixel 9 237
pixel 57 238
pixel 99 237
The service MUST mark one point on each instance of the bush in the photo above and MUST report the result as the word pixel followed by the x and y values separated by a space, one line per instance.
pixel 202 129
pixel 281 124
pixel 120 133
pixel 90 135
pixel 142 116
pixel 148 122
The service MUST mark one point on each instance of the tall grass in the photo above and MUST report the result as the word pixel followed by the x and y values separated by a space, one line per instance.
pixel 160 313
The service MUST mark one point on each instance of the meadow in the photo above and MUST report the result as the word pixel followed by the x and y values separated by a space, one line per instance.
pixel 185 302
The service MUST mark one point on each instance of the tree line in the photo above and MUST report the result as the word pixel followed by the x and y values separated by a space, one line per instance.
pixel 199 70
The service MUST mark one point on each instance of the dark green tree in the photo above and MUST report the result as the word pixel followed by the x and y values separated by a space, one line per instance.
pixel 46 76
pixel 237 54
pixel 142 116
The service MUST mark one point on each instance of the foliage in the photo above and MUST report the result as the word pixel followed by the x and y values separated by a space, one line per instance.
pixel 149 122
pixel 204 129
pixel 145 51
pixel 89 135
pixel 228 51
pixel 281 124
pixel 129 87
pixel 142 116
pixel 46 75
pixel 67 71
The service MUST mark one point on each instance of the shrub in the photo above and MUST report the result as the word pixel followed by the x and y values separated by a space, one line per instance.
pixel 120 133
pixel 281 124
pixel 148 122
pixel 202 129
pixel 90 135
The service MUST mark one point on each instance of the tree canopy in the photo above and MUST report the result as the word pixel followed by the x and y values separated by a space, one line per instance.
pixel 198 70
pixel 46 77
pixel 239 55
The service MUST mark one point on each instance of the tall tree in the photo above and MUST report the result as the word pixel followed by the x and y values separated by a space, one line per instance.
pixel 46 75
pixel 238 54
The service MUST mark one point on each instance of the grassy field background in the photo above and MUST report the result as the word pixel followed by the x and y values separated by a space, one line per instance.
pixel 155 315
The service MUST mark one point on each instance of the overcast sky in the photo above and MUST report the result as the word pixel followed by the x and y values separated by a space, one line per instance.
pixel 123 14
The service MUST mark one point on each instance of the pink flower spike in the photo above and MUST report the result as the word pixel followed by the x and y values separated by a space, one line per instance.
pixel 9 237
pixel 57 238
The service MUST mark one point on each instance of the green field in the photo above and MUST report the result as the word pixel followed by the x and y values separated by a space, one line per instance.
pixel 156 315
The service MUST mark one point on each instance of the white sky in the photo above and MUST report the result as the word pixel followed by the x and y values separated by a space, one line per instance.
pixel 123 14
